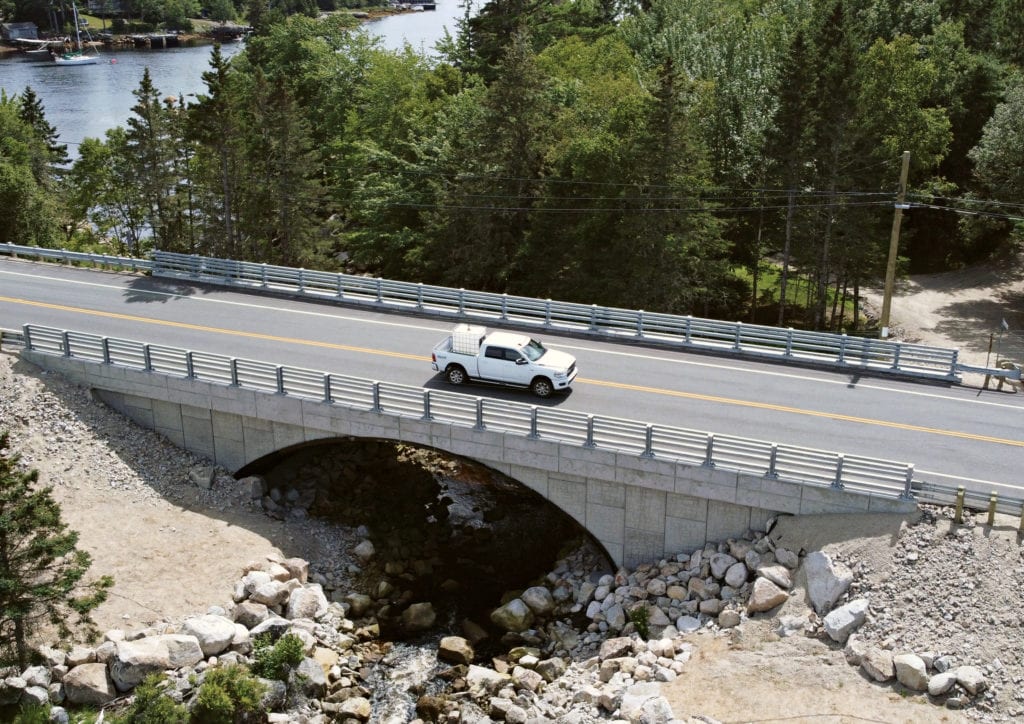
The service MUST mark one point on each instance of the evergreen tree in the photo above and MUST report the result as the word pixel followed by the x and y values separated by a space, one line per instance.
pixel 41 570
pixel 151 152
pixel 56 153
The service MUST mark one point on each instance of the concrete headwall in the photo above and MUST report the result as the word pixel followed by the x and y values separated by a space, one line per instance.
pixel 639 509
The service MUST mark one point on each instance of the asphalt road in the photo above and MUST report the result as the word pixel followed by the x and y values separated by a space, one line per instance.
pixel 953 435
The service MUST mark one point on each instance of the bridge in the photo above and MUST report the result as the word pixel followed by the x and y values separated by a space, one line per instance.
pixel 642 491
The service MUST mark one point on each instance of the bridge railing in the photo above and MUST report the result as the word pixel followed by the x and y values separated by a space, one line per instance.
pixel 692 447
pixel 836 350
pixel 820 348
pixel 102 261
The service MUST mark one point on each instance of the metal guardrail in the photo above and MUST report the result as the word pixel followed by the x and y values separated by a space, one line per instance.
pixel 788 345
pixel 691 447
pixel 104 261
pixel 11 338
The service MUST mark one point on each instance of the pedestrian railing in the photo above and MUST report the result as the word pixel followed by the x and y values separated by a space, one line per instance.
pixel 691 447
pixel 789 345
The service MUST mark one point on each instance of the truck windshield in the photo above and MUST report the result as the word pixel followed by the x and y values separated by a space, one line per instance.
pixel 534 350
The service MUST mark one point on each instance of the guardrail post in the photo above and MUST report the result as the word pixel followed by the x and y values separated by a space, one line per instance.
pixel 426 406
pixel 589 442
pixel 65 256
pixel 533 423
pixel 504 306
pixel 958 516
pixel 738 337
pixel 709 451
pixel 419 295
pixel 280 380
pixel 1020 528
pixel 479 413
pixel 263 275
pixel 462 301
pixel 547 312
pixel 837 482
pixel 195 265
pixel 789 342
pixel 772 459
pixel 842 348
pixel 234 372
pixel 340 286
pixel 65 343
pixel 688 329
pixel 376 398
pixel 992 498
pixel 26 331
pixel 105 344
pixel 648 442
pixel 302 280
pixel 190 366
pixel 640 323
pixel 327 388
pixel 147 358
pixel 593 317
pixel 896 356
pixel 908 482
pixel 380 290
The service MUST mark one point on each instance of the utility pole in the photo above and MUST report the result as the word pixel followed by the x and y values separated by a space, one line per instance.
pixel 894 243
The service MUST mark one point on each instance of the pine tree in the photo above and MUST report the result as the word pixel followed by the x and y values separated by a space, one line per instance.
pixel 56 154
pixel 41 570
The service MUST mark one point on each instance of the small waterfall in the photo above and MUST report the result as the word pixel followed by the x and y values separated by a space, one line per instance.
pixel 399 679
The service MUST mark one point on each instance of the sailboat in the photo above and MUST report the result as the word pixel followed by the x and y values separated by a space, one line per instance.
pixel 78 56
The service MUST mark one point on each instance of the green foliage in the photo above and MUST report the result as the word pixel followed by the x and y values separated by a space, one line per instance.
pixel 41 570
pixel 275 660
pixel 33 714
pixel 639 617
pixel 151 705
pixel 227 695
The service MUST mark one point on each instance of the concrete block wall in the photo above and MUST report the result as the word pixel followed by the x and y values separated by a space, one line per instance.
pixel 640 509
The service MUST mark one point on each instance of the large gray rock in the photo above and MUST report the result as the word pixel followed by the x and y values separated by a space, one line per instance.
pixel 843 621
pixel 298 568
pixel 308 678
pixel 971 678
pixel 764 596
pixel 89 685
pixel 827 581
pixel 720 563
pixel 11 689
pixel 539 599
pixel 307 602
pixel 251 614
pixel 483 681
pixel 941 683
pixel 644 704
pixel 214 633
pixel 514 616
pixel 456 650
pixel 419 616
pixel 135 660
pixel 877 663
pixel 779 575
pixel 911 671
pixel 272 593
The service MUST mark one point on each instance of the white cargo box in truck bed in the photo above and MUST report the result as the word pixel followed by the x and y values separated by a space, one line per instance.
pixel 508 358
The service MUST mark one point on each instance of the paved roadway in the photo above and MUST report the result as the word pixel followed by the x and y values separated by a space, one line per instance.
pixel 953 435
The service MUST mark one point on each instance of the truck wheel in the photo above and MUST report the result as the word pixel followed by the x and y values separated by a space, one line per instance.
pixel 542 387
pixel 455 375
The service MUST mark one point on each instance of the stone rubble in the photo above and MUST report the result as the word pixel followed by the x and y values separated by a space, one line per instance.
pixel 945 622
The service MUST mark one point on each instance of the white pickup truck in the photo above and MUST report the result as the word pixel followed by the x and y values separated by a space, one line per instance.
pixel 473 353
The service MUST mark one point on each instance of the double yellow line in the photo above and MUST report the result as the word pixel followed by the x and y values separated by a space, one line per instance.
pixel 600 383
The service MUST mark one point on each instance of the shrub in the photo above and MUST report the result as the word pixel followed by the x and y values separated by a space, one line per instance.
pixel 229 694
pixel 274 661
pixel 639 618
pixel 150 705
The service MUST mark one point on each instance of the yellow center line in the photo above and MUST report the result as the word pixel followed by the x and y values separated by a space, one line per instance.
pixel 599 383
pixel 802 411
pixel 216 330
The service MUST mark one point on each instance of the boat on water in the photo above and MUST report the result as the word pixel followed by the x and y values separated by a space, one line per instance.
pixel 78 55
